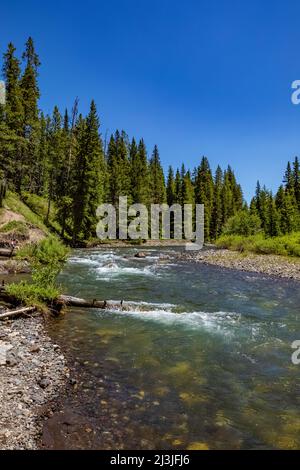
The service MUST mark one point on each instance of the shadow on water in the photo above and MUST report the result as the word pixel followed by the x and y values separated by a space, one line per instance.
pixel 199 358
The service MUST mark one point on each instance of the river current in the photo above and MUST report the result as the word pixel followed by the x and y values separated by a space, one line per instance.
pixel 198 357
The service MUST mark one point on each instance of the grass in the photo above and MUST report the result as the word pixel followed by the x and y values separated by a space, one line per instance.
pixel 47 251
pixel 285 245
pixel 46 258
pixel 39 206
pixel 31 294
pixel 16 228
pixel 13 202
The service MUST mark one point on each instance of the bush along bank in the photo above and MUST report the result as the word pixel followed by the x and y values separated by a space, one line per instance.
pixel 46 259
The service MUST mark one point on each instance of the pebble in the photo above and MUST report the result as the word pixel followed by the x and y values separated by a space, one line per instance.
pixel 33 373
pixel 272 265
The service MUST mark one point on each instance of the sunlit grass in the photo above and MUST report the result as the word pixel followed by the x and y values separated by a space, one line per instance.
pixel 285 245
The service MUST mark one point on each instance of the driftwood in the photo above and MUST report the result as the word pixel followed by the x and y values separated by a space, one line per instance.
pixel 71 301
pixel 57 305
pixel 17 313
pixel 7 252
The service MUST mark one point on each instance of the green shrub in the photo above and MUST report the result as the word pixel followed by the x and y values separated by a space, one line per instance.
pixel 285 245
pixel 31 294
pixel 46 259
pixel 46 251
pixel 242 223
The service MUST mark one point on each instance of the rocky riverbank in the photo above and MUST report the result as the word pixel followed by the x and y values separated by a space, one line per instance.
pixel 272 265
pixel 12 266
pixel 33 374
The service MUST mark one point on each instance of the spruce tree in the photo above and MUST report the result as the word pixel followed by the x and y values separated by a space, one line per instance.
pixel 11 73
pixel 273 220
pixel 139 173
pixel 204 192
pixel 216 220
pixel 157 181
pixel 87 183
pixel 188 194
pixel 11 125
pixel 55 160
pixel 178 188
pixel 29 86
pixel 288 178
pixel 170 187
pixel 296 180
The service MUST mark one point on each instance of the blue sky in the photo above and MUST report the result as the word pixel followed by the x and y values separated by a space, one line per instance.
pixel 195 77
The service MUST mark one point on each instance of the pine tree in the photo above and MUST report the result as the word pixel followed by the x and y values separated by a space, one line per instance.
pixel 12 142
pixel 157 182
pixel 216 221
pixel 178 188
pixel 55 160
pixel 139 173
pixel 273 220
pixel 288 178
pixel 296 180
pixel 119 168
pixel 39 170
pixel 29 86
pixel 87 187
pixel 170 187
pixel 188 193
pixel 289 217
pixel 204 192
pixel 11 73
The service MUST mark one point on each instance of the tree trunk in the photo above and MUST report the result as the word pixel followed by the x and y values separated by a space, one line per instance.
pixel 78 302
pixel 17 313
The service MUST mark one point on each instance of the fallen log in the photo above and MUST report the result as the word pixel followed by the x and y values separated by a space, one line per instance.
pixel 71 301
pixel 62 301
pixel 17 313
pixel 7 252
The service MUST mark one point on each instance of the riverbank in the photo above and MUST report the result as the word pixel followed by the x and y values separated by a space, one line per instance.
pixel 272 265
pixel 33 373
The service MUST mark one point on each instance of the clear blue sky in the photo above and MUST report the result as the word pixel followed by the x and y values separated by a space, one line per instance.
pixel 195 77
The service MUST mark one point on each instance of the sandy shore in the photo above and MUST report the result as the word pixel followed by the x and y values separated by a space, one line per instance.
pixel 33 374
pixel 272 265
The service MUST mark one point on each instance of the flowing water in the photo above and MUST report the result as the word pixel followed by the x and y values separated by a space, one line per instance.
pixel 198 357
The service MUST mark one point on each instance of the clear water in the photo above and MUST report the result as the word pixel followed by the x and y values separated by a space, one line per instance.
pixel 199 357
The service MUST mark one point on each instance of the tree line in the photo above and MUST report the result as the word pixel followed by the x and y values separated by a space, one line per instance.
pixel 63 159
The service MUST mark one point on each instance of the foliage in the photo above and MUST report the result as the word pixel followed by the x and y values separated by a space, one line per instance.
pixel 16 228
pixel 32 294
pixel 46 259
pixel 14 203
pixel 242 223
pixel 286 245
pixel 47 251
pixel 39 205
pixel 62 169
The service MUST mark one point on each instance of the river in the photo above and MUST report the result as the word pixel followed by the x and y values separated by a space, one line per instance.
pixel 199 357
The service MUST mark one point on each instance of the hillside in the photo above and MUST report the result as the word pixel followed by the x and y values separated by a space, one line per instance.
pixel 22 225
pixel 19 222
